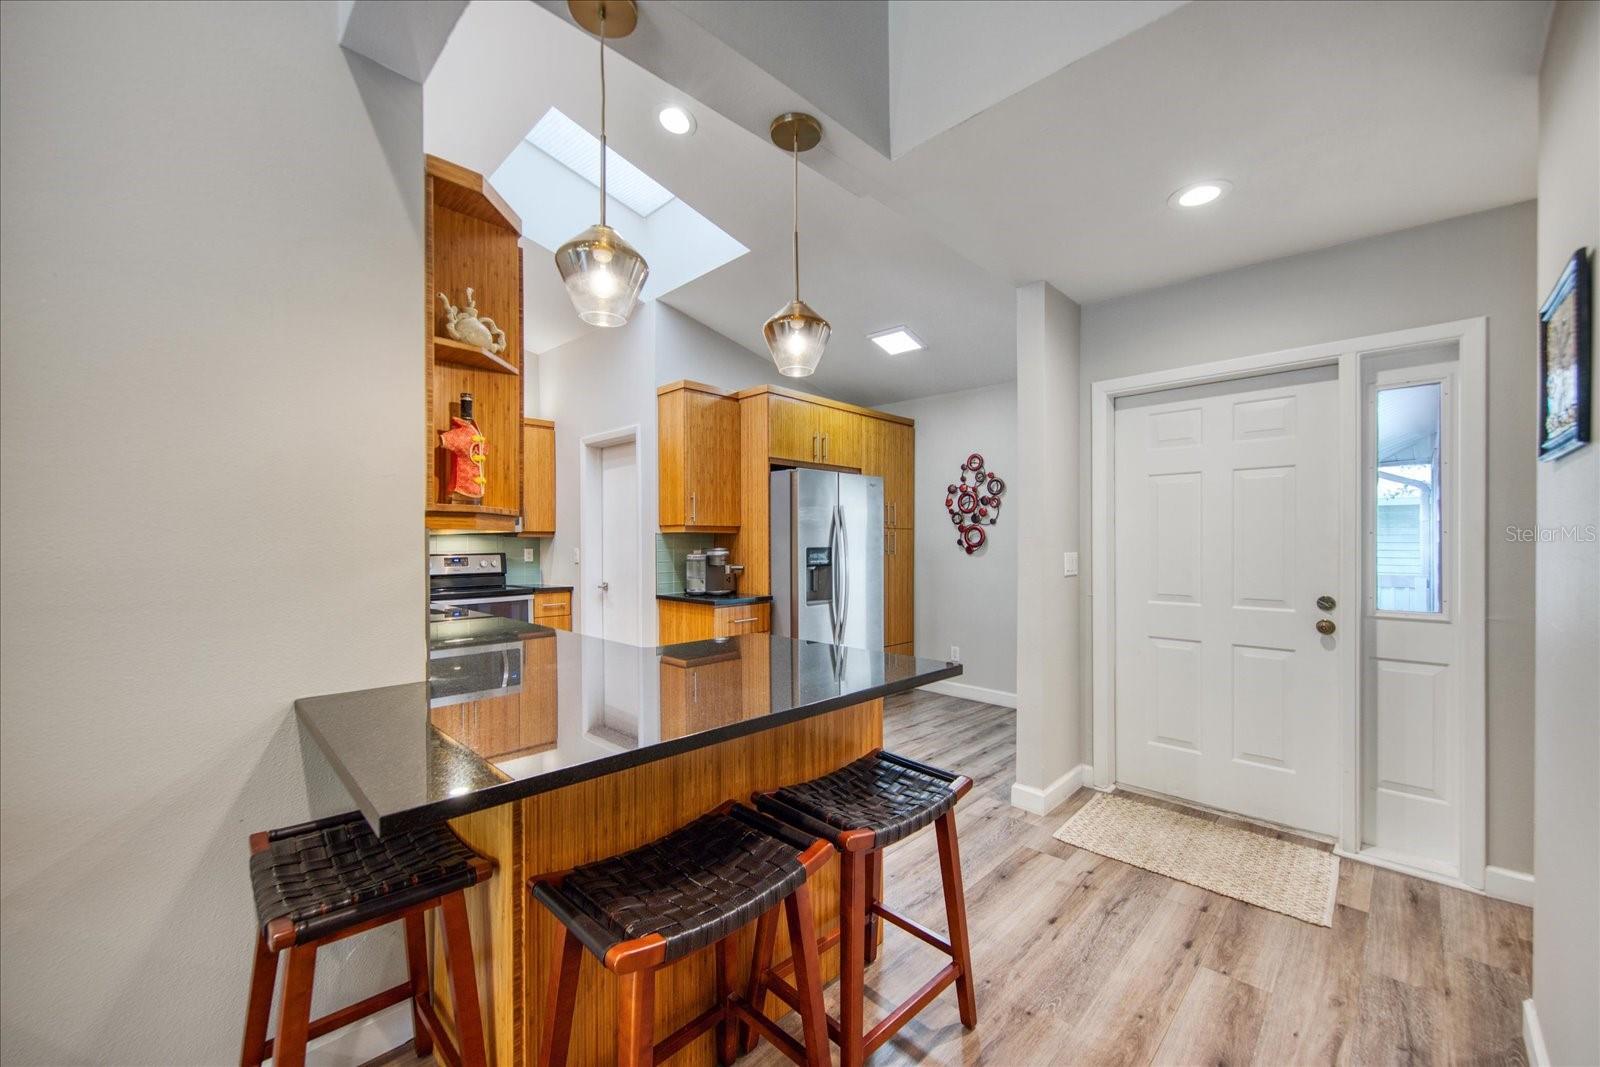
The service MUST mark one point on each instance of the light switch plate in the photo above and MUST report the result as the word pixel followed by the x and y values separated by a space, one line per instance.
pixel 1069 564
pixel 527 555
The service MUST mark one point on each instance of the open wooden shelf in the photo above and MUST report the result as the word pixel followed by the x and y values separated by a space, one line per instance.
pixel 461 354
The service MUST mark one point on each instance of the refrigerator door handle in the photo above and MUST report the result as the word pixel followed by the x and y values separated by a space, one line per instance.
pixel 832 559
pixel 843 576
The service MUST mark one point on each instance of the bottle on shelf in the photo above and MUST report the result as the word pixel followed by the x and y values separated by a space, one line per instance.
pixel 465 481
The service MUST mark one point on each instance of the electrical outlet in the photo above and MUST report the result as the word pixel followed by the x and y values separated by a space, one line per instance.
pixel 574 555
pixel 1069 564
pixel 527 555
pixel 955 653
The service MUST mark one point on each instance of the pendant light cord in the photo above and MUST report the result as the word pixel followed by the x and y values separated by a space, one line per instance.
pixel 795 152
pixel 602 114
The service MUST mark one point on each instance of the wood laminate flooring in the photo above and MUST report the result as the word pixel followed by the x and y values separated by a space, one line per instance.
pixel 1084 960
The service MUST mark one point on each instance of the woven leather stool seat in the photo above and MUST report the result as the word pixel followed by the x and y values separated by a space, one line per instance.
pixel 336 873
pixel 694 886
pixel 890 795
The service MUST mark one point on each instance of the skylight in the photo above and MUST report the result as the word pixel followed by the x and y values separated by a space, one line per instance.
pixel 579 151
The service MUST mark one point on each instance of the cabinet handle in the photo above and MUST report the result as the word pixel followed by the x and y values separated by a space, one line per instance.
pixel 736 622
pixel 814 446
pixel 694 509
pixel 824 448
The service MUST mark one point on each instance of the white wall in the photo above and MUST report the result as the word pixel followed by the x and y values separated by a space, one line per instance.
pixel 969 601
pixel 685 348
pixel 1475 265
pixel 1566 908
pixel 1049 459
pixel 211 500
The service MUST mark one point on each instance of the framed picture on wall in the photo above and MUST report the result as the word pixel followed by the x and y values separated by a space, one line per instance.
pixel 1565 374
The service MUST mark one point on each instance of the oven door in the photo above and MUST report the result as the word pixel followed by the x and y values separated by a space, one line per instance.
pixel 519 608
pixel 458 675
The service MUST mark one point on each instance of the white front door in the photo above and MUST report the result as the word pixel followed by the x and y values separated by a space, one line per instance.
pixel 1411 736
pixel 1226 527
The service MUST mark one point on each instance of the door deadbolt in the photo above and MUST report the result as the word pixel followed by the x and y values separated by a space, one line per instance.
pixel 1325 627
pixel 1326 603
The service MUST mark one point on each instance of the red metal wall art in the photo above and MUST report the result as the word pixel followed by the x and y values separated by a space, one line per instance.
pixel 974 502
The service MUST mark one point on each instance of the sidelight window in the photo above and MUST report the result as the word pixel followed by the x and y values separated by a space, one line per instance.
pixel 1407 506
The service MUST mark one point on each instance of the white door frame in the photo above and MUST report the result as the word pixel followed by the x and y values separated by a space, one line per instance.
pixel 590 518
pixel 1471 337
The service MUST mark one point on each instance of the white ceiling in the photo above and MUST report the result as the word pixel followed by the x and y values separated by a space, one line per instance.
pixel 1333 121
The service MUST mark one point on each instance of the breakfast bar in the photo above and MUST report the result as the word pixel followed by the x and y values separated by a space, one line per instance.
pixel 595 749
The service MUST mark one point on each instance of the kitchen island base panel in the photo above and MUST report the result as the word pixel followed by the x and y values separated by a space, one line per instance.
pixel 516 943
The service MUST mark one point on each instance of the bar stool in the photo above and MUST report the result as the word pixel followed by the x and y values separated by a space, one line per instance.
pixel 323 881
pixel 864 807
pixel 697 886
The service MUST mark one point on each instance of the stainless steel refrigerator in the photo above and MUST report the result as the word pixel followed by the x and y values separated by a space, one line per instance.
pixel 827 557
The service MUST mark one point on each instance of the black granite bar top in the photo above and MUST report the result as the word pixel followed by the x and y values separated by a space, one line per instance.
pixel 714 601
pixel 481 629
pixel 585 708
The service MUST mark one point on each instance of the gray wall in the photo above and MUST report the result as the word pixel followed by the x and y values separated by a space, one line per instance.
pixel 1050 460
pixel 1476 265
pixel 969 601
pixel 213 265
pixel 1566 908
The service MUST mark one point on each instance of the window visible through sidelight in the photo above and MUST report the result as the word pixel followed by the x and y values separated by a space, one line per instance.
pixel 1408 539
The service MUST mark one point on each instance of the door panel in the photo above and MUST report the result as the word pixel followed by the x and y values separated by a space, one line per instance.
pixel 713 441
pixel 899 586
pixel 792 430
pixel 1226 695
pixel 841 432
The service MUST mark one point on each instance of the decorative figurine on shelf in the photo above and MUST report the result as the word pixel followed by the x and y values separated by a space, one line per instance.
pixel 974 504
pixel 468 327
pixel 465 481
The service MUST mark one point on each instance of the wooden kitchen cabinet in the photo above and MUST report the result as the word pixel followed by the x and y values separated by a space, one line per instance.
pixel 698 437
pixel 899 585
pixel 553 609
pixel 888 450
pixel 538 478
pixel 794 432
pixel 678 621
pixel 841 436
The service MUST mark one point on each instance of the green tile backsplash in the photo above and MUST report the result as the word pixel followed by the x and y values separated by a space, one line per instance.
pixel 670 552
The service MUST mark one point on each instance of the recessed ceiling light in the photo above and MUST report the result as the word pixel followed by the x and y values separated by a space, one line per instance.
pixel 1200 193
pixel 676 120
pixel 897 341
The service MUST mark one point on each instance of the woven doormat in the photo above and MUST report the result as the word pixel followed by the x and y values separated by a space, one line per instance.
pixel 1281 876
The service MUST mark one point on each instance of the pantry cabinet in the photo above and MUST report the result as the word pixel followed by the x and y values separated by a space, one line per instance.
pixel 538 478
pixel 698 440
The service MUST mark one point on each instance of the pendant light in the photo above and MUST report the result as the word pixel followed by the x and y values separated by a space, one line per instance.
pixel 602 272
pixel 796 335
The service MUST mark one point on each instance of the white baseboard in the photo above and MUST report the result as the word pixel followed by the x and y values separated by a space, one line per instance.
pixel 363 1040
pixel 1533 1037
pixel 1503 883
pixel 1044 801
pixel 973 692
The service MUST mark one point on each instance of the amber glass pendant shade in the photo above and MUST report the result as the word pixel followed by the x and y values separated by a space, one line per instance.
pixel 796 337
pixel 603 275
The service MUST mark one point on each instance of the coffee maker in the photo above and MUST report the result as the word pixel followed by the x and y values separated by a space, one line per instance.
pixel 709 573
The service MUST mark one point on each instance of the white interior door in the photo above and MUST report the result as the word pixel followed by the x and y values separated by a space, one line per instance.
pixel 1226 530
pixel 620 539
pixel 1411 735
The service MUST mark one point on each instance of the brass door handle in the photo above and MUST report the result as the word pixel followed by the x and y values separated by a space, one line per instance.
pixel 1325 627
pixel 1326 603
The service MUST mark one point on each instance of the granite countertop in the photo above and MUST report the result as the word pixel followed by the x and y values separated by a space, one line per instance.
pixel 585 708
pixel 481 629
pixel 715 601
pixel 551 588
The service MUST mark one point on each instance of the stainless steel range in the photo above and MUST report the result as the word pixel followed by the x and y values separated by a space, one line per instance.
pixel 476 581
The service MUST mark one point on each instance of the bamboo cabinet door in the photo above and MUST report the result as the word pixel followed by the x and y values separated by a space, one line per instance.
pixel 899 473
pixel 841 436
pixel 793 430
pixel 538 477
pixel 712 443
pixel 899 586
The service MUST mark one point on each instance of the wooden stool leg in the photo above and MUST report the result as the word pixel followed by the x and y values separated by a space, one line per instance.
pixel 417 964
pixel 464 980
pixel 558 1004
pixel 263 975
pixel 636 1017
pixel 294 1010
pixel 852 960
pixel 808 975
pixel 874 896
pixel 727 1032
pixel 955 910
pixel 756 992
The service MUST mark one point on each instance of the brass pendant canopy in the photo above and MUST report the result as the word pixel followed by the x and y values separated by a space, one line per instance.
pixel 620 16
pixel 603 273
pixel 796 335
